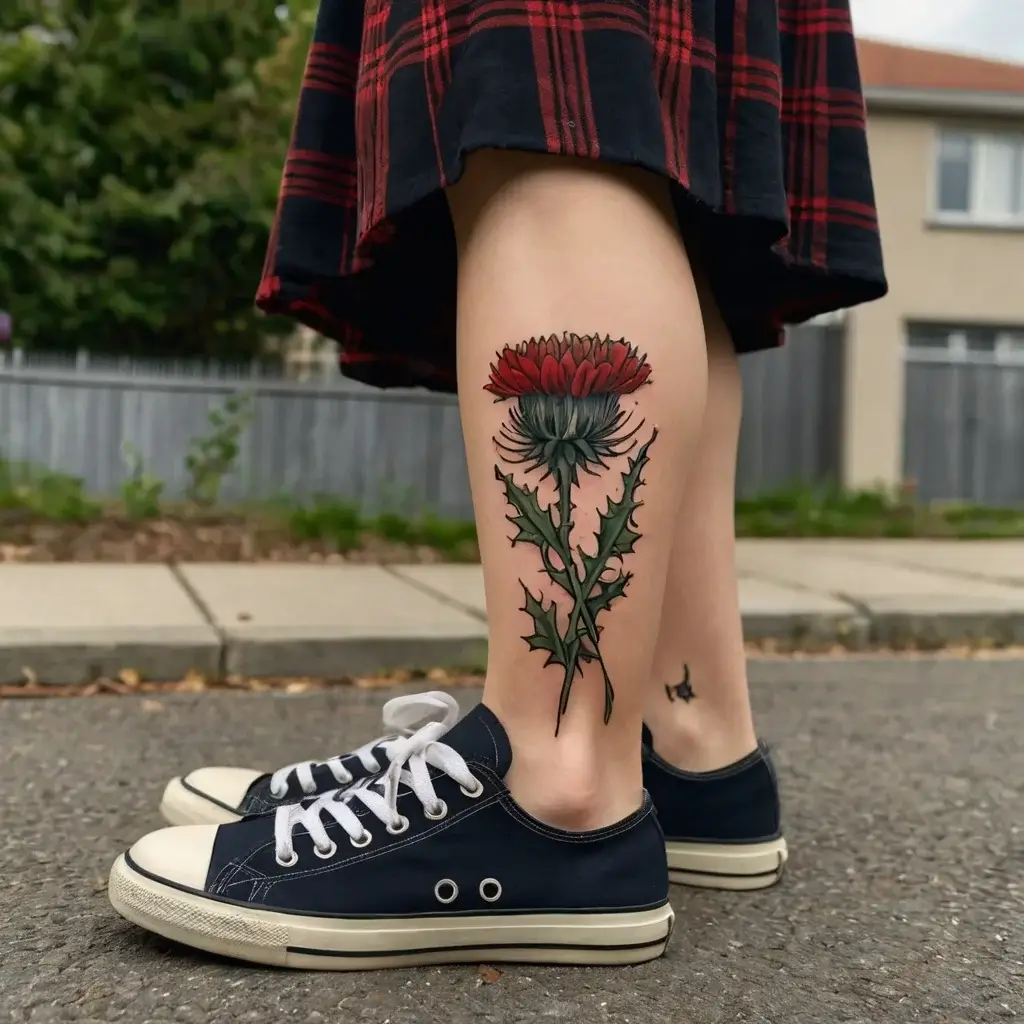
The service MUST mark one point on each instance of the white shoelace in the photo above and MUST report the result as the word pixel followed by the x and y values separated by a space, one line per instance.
pixel 411 760
pixel 403 716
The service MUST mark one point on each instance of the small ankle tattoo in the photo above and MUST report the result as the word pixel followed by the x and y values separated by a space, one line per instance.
pixel 567 418
pixel 681 691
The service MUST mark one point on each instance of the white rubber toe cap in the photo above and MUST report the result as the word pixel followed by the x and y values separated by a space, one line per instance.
pixel 226 786
pixel 179 855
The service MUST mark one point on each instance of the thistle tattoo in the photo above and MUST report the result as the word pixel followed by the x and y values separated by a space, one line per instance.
pixel 681 691
pixel 566 419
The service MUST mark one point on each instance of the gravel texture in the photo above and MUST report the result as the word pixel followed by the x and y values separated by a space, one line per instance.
pixel 904 901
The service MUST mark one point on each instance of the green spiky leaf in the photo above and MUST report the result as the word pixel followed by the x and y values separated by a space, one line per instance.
pixel 535 525
pixel 545 636
pixel 607 591
pixel 616 533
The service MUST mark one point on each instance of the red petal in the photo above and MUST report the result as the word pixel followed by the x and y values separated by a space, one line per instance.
pixel 600 383
pixel 499 388
pixel 511 358
pixel 522 382
pixel 583 380
pixel 503 370
pixel 568 365
pixel 551 380
pixel 617 353
pixel 531 370
pixel 509 377
pixel 635 381
pixel 578 351
pixel 626 371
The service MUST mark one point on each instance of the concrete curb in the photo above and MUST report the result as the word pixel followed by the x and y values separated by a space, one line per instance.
pixel 67 624
pixel 63 658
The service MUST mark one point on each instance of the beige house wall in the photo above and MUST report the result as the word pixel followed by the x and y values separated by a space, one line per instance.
pixel 958 275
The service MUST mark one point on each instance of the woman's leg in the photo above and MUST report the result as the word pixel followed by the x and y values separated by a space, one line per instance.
pixel 698 703
pixel 577 451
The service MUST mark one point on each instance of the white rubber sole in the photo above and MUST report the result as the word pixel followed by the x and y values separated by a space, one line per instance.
pixel 727 866
pixel 348 944
pixel 180 806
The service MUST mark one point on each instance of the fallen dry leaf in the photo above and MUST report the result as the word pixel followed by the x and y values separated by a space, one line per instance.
pixel 129 677
pixel 374 682
pixel 488 975
pixel 29 676
pixel 244 616
pixel 151 706
pixel 192 683
pixel 298 686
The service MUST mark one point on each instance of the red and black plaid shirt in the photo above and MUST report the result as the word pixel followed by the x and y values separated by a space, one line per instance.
pixel 757 119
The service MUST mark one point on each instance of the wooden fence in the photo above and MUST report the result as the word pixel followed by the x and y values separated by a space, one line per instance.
pixel 400 450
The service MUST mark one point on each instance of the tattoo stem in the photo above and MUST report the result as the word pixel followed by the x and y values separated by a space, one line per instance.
pixel 580 595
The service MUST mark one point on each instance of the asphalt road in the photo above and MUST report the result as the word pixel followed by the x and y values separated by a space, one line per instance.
pixel 904 900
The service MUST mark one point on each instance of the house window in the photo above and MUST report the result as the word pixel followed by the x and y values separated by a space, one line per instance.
pixel 947 343
pixel 980 178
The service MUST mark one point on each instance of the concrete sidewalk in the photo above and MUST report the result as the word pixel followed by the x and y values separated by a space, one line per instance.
pixel 69 623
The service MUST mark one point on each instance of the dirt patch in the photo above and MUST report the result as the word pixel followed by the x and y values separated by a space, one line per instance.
pixel 195 538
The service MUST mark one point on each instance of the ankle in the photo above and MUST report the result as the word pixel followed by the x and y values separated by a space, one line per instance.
pixel 572 783
pixel 700 740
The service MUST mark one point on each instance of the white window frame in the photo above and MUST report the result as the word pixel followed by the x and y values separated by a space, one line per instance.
pixel 956 218
pixel 1008 349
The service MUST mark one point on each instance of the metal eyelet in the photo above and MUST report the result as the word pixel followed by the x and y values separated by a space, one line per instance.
pixel 492 886
pixel 446 884
pixel 287 863
pixel 364 840
pixel 403 824
pixel 438 813
pixel 328 853
pixel 473 793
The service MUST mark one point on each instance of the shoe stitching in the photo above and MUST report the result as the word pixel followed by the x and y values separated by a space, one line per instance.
pixel 333 827
pixel 502 798
pixel 435 774
pixel 561 836
pixel 228 875
pixel 752 760
pixel 494 740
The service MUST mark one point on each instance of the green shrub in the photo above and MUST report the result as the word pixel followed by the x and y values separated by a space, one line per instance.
pixel 141 491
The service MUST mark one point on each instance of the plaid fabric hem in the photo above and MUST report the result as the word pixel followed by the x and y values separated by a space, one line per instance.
pixel 754 113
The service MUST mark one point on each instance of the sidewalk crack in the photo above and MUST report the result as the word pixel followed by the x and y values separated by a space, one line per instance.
pixel 437 595
pixel 204 610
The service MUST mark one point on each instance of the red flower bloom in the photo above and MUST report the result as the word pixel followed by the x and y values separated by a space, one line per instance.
pixel 569 365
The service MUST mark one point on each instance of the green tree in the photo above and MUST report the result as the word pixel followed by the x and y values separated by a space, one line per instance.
pixel 141 143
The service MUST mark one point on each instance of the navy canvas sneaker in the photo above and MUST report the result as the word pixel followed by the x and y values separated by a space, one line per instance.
pixel 723 828
pixel 218 795
pixel 430 862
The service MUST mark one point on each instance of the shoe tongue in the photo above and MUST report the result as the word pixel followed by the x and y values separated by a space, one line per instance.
pixel 480 737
